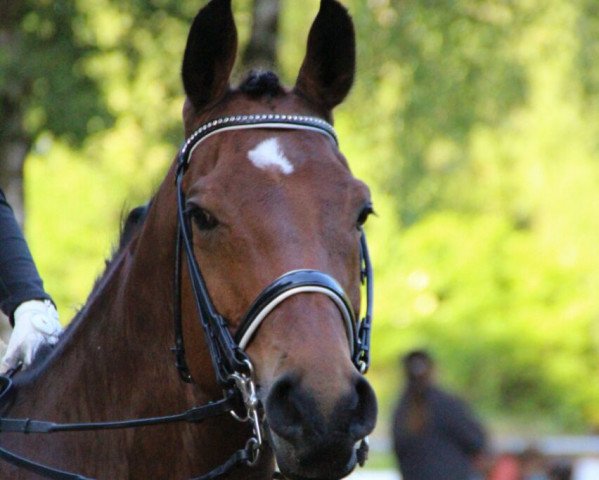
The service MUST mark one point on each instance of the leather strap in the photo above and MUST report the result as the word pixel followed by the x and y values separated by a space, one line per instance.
pixel 193 415
pixel 26 425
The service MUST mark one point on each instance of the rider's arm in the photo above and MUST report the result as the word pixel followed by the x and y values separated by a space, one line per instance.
pixel 22 296
pixel 19 278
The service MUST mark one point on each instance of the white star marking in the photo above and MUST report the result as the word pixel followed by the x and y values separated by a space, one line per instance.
pixel 268 154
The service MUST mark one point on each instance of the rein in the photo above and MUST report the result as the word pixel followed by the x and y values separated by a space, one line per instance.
pixel 233 369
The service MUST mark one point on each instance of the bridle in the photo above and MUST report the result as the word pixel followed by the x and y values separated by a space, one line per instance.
pixel 233 369
pixel 227 352
pixel 230 362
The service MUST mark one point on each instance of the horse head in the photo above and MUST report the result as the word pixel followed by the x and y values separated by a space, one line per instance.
pixel 263 202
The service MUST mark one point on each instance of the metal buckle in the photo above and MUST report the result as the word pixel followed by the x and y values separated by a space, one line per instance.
pixel 362 366
pixel 247 388
pixel 245 385
pixel 252 447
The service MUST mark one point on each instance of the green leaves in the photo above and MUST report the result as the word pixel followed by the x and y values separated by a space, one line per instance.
pixel 42 65
pixel 481 127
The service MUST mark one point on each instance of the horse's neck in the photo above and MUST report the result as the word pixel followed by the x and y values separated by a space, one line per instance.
pixel 120 342
pixel 115 362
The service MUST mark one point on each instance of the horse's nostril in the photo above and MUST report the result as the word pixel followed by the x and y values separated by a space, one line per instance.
pixel 365 412
pixel 284 416
pixel 294 413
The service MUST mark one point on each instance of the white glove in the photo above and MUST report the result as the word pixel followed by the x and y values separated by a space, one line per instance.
pixel 36 324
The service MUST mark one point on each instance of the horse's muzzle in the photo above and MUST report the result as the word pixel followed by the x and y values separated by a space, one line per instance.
pixel 311 444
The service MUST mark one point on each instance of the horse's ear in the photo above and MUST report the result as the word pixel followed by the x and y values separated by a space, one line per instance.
pixel 209 54
pixel 327 73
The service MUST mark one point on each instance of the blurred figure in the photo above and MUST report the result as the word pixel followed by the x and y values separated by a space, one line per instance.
pixel 533 465
pixel 560 471
pixel 435 435
pixel 506 467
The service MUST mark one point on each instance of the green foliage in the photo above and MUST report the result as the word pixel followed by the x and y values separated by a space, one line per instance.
pixel 475 124
pixel 42 64
pixel 483 143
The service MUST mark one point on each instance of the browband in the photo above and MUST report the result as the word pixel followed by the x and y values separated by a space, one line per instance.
pixel 243 122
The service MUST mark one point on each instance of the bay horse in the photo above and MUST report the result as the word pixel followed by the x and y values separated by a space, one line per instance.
pixel 260 205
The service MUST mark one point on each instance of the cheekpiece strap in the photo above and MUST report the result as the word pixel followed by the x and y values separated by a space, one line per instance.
pixel 243 122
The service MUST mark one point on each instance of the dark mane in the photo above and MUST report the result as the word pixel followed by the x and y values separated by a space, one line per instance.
pixel 130 225
pixel 260 83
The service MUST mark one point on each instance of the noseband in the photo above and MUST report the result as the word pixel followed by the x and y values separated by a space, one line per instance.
pixel 232 366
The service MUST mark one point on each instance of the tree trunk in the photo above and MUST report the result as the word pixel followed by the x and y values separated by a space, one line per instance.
pixel 14 146
pixel 14 141
pixel 261 52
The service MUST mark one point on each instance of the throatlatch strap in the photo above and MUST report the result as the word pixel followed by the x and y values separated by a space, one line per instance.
pixel 179 348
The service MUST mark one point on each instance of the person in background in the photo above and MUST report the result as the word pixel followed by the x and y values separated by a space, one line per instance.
pixel 22 296
pixel 506 467
pixel 533 464
pixel 561 470
pixel 435 435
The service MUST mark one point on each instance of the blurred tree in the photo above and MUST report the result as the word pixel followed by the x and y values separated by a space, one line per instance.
pixel 43 84
pixel 482 127
pixel 261 50
pixel 452 55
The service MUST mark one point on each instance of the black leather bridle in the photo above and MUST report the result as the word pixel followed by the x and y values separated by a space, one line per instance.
pixel 233 368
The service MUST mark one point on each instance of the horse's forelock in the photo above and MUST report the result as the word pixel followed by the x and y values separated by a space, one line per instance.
pixel 260 83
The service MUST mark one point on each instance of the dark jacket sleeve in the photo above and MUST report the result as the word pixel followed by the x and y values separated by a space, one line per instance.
pixel 462 425
pixel 19 278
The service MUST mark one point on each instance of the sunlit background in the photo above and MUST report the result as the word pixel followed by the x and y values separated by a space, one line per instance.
pixel 475 123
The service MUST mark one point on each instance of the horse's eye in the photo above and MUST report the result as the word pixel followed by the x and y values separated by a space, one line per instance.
pixel 203 218
pixel 366 211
